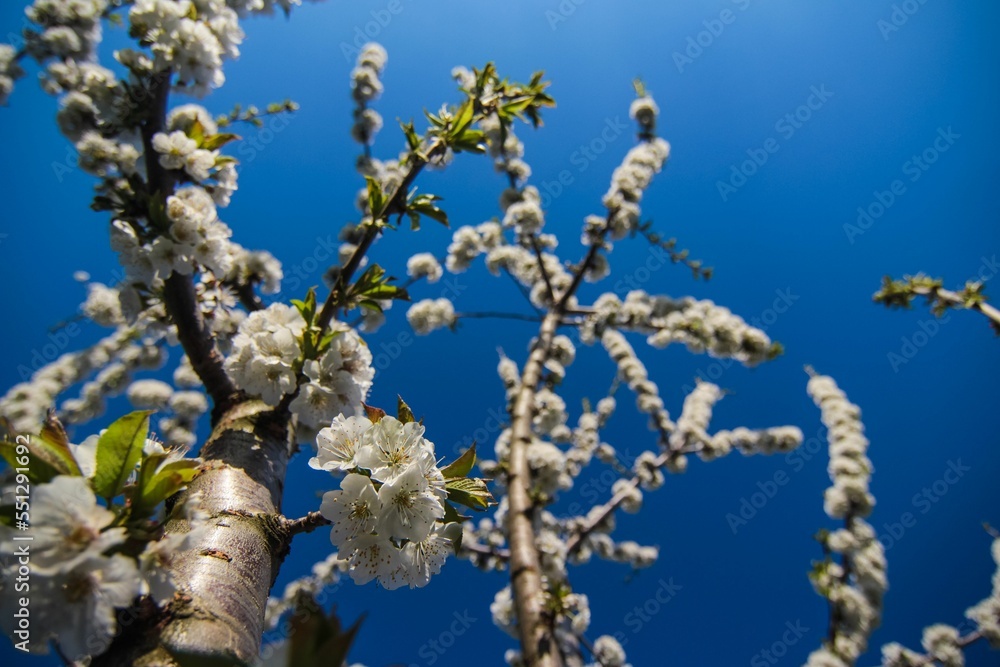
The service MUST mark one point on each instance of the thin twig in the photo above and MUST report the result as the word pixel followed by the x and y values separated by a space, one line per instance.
pixel 306 524
pixel 498 315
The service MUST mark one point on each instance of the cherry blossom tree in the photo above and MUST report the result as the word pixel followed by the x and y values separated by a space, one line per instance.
pixel 144 554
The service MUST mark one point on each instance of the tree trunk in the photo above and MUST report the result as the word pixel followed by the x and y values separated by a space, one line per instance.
pixel 538 645
pixel 223 582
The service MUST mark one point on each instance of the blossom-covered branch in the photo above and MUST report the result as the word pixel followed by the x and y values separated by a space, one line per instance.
pixel 900 294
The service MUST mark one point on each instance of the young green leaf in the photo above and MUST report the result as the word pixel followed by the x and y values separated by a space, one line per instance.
pixel 119 449
pixel 403 412
pixel 471 493
pixel 42 466
pixel 462 466
pixel 217 141
pixel 376 199
pixel 164 481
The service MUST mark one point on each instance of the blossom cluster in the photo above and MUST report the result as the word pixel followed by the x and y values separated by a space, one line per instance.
pixel 79 576
pixel 699 324
pixel 192 38
pixel 424 265
pixel 502 143
pixel 856 586
pixel 113 359
pixel 267 355
pixel 387 514
pixel 628 182
pixel 429 314
pixel 942 643
pixel 366 86
pixel 632 370
pixel 691 433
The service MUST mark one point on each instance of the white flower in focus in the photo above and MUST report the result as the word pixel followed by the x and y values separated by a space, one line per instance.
pixel 390 448
pixel 421 560
pixel 353 510
pixel 375 557
pixel 409 510
pixel 338 444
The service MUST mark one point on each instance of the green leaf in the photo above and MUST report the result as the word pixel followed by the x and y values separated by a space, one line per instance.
pixel 55 440
pixel 424 205
pixel 197 132
pixel 463 118
pixel 403 412
pixel 42 467
pixel 376 200
pixel 217 141
pixel 119 449
pixel 412 138
pixel 164 481
pixel 516 106
pixel 462 466
pixel 451 514
pixel 472 493
pixel 307 308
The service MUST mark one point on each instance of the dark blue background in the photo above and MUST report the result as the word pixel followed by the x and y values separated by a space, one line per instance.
pixel 782 231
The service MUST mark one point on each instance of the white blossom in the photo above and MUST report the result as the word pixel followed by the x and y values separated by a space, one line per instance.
pixel 353 510
pixel 430 314
pixel 424 265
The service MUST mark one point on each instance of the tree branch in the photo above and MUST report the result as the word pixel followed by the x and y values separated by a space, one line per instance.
pixel 306 524
pixel 216 618
pixel 538 643
pixel 179 296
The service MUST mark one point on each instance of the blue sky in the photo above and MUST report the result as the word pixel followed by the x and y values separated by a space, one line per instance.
pixel 911 101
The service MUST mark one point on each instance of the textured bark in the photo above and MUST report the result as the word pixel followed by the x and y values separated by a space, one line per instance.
pixel 218 617
pixel 538 645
